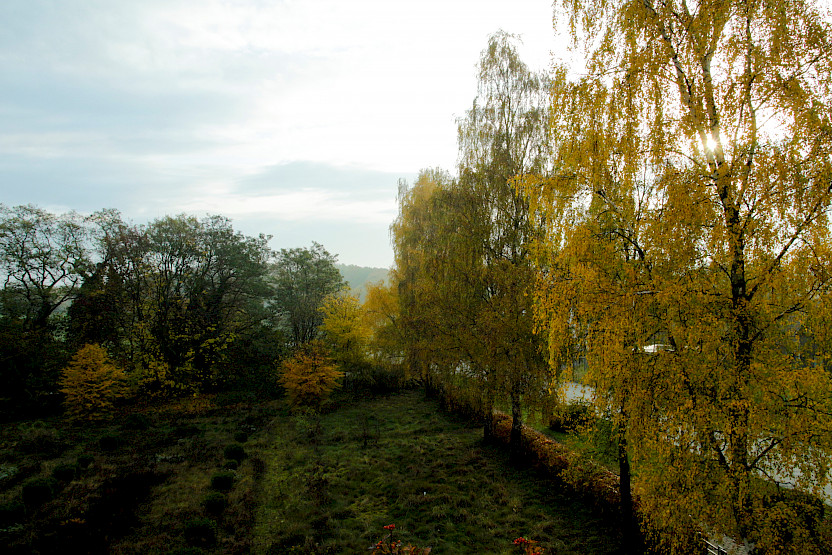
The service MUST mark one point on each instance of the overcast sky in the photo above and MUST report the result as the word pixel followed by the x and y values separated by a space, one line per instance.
pixel 294 118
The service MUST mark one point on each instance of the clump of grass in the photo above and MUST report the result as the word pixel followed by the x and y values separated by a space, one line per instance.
pixel 39 438
pixel 200 532
pixel 185 431
pixel 66 472
pixel 11 512
pixel 137 421
pixel 222 481
pixel 109 442
pixel 37 491
pixel 215 503
pixel 234 452
pixel 240 437
pixel 85 460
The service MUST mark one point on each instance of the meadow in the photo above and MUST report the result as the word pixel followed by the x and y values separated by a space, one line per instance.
pixel 230 474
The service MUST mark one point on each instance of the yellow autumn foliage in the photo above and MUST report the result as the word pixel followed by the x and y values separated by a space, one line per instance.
pixel 310 376
pixel 92 384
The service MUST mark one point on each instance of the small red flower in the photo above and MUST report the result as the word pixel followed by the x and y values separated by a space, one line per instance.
pixel 390 527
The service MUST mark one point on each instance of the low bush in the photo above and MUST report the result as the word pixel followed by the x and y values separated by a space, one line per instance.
pixel 570 417
pixel 137 422
pixel 109 442
pixel 234 452
pixel 37 491
pixel 11 513
pixel 241 437
pixel 215 503
pixel 182 432
pixel 85 460
pixel 222 481
pixel 231 465
pixel 66 472
pixel 38 438
pixel 200 532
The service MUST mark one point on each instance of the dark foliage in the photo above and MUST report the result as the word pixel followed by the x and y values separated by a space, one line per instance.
pixel 222 481
pixel 235 452
pixel 215 503
pixel 109 442
pixel 37 491
pixel 200 532
pixel 66 472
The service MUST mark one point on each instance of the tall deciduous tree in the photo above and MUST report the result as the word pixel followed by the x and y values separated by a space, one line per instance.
pixel 503 138
pixel 695 164
pixel 345 332
pixel 302 279
pixel 177 292
pixel 43 261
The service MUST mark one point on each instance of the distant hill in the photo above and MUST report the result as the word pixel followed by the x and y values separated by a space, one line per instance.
pixel 358 277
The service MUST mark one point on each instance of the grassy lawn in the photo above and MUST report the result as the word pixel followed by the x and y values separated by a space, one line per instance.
pixel 150 481
pixel 137 484
pixel 332 483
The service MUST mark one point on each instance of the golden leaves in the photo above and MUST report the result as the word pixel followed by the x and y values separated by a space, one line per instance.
pixel 92 384
pixel 309 376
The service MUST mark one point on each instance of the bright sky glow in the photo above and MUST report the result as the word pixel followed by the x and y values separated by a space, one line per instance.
pixel 294 118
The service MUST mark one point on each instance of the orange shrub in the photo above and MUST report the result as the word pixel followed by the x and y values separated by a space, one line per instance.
pixel 92 384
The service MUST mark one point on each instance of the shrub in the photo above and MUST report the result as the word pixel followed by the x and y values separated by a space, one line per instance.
pixel 39 438
pixel 234 452
pixel 137 422
pixel 10 513
pixel 215 503
pixel 109 442
pixel 183 432
pixel 222 481
pixel 570 417
pixel 200 532
pixel 92 384
pixel 85 460
pixel 65 472
pixel 310 376
pixel 231 465
pixel 241 437
pixel 37 491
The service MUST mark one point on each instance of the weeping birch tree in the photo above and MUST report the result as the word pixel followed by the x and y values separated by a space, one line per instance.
pixel 689 209
pixel 502 138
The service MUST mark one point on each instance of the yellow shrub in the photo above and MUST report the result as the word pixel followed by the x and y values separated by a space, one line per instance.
pixel 92 384
pixel 309 376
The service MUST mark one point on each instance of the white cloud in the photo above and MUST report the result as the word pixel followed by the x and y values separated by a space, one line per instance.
pixel 205 94
pixel 308 205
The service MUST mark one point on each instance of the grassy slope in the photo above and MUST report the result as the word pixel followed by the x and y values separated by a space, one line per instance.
pixel 375 462
pixel 399 460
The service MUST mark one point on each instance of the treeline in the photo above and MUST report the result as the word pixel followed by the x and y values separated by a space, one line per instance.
pixel 660 220
pixel 178 305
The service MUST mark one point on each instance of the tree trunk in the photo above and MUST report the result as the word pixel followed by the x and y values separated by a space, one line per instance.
pixel 629 524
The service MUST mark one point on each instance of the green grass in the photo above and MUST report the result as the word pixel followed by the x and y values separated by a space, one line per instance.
pixel 399 460
pixel 136 495
pixel 307 485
